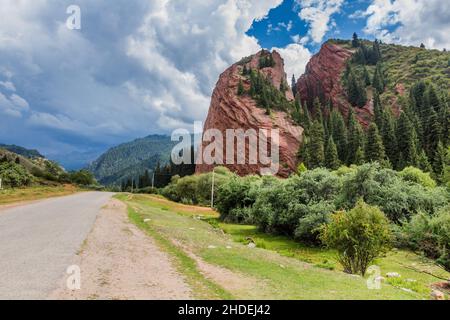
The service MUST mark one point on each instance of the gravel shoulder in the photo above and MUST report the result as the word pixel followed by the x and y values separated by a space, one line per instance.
pixel 118 261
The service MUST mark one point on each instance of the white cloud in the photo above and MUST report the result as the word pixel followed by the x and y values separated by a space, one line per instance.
pixel 8 85
pixel 410 22
pixel 295 59
pixel 118 78
pixel 14 106
pixel 317 14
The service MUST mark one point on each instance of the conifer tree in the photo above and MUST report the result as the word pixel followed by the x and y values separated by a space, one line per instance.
pixel 389 138
pixel 423 163
pixel 406 140
pixel 331 155
pixel 339 132
pixel 439 161
pixel 375 149
pixel 240 88
pixel 306 116
pixel 294 85
pixel 316 152
pixel 355 138
pixel 355 41
pixel 378 79
pixel 366 77
pixel 356 92
pixel 378 110
pixel 375 56
pixel 359 156
pixel 432 134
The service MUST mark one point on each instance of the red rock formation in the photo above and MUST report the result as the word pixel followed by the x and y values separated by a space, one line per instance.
pixel 230 111
pixel 322 78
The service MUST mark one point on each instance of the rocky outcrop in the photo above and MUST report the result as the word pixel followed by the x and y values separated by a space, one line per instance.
pixel 322 78
pixel 228 110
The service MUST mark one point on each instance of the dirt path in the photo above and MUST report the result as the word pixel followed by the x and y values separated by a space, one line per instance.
pixel 119 261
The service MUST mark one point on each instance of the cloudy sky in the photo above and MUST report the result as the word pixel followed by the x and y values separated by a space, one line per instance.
pixel 139 67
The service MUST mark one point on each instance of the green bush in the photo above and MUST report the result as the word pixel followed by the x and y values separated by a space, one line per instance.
pixel 83 178
pixel 397 198
pixel 359 236
pixel 14 175
pixel 195 189
pixel 236 197
pixel 417 176
pixel 296 206
pixel 430 235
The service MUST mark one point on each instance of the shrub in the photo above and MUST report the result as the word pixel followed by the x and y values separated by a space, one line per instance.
pixel 417 176
pixel 295 206
pixel 14 175
pixel 83 177
pixel 316 215
pixel 195 189
pixel 359 236
pixel 397 198
pixel 430 235
pixel 235 197
pixel 147 190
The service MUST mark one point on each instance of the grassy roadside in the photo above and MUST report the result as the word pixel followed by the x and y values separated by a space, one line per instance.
pixel 10 196
pixel 279 268
pixel 202 287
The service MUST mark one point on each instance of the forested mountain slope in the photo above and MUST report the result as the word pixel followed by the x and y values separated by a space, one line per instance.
pixel 132 159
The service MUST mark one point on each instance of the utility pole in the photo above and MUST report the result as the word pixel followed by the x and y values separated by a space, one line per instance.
pixel 1 184
pixel 132 184
pixel 212 189
pixel 153 180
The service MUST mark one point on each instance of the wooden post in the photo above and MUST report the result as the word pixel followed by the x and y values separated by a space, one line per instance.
pixel 153 180
pixel 212 189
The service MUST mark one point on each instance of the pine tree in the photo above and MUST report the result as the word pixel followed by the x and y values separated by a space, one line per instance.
pixel 375 55
pixel 445 124
pixel 355 41
pixel 378 79
pixel 389 138
pixel 241 89
pixel 375 149
pixel 406 142
pixel 355 138
pixel 356 92
pixel 294 85
pixel 244 70
pixel 359 56
pixel 359 156
pixel 439 161
pixel 339 132
pixel 378 110
pixel 331 155
pixel 316 152
pixel 366 77
pixel 432 134
pixel 423 163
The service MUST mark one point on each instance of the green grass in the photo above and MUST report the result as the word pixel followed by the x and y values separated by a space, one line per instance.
pixel 9 196
pixel 279 269
pixel 407 264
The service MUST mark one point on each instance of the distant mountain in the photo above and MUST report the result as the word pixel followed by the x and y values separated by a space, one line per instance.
pixel 27 153
pixel 132 159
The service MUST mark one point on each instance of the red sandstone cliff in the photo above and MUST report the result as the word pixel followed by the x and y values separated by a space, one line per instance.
pixel 322 78
pixel 228 110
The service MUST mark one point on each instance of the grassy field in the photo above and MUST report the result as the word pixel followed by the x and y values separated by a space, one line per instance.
pixel 277 269
pixel 9 196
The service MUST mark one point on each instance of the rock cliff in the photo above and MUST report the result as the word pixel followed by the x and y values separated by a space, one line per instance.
pixel 228 110
pixel 322 78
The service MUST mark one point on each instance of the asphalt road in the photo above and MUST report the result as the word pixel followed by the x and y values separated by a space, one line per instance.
pixel 39 241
